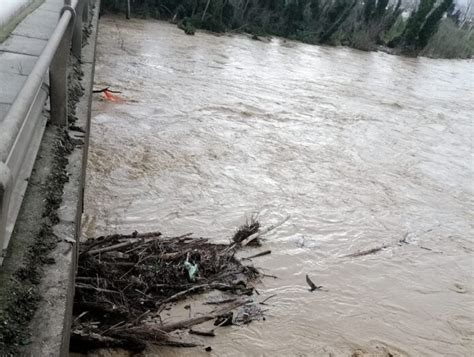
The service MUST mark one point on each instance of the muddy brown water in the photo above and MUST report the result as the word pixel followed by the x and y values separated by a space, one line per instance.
pixel 361 149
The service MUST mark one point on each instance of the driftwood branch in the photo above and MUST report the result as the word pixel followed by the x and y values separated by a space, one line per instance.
pixel 365 252
pixel 194 288
pixel 184 324
pixel 85 342
pixel 121 245
pixel 115 237
pixel 268 298
pixel 263 231
pixel 261 254
pixel 90 287
pixel 225 301
pixel 209 333
pixel 106 89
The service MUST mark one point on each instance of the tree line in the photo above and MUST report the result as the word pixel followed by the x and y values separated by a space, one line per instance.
pixel 360 24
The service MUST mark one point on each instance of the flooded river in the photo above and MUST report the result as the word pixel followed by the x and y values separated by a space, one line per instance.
pixel 362 150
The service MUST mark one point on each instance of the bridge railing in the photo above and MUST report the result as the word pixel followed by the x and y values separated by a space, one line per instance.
pixel 22 129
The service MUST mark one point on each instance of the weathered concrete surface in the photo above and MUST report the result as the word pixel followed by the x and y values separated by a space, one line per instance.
pixel 50 288
pixel 40 25
pixel 3 109
pixel 23 45
pixel 51 335
pixel 57 288
pixel 15 83
pixel 20 50
pixel 16 63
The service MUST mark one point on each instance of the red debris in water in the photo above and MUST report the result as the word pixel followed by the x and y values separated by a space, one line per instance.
pixel 108 96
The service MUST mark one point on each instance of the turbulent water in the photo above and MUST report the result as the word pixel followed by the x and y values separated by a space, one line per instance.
pixel 362 150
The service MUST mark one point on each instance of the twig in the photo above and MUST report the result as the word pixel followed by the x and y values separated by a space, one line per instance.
pixel 104 239
pixel 79 317
pixel 187 235
pixel 269 276
pixel 196 287
pixel 104 90
pixel 111 247
pixel 225 301
pixel 221 324
pixel 112 327
pixel 263 231
pixel 199 320
pixel 426 248
pixel 101 310
pixel 91 341
pixel 118 246
pixel 140 317
pixel 266 252
pixel 88 278
pixel 365 252
pixel 145 295
pixel 268 298
pixel 90 287
pixel 209 333
pixel 174 343
pixel 169 286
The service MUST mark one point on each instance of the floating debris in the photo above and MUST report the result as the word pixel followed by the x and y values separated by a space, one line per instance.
pixel 124 282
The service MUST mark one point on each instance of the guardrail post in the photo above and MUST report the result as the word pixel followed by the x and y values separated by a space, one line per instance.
pixel 77 35
pixel 58 75
pixel 5 180
pixel 128 9
pixel 86 12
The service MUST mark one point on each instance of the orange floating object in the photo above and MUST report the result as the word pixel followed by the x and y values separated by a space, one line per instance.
pixel 108 96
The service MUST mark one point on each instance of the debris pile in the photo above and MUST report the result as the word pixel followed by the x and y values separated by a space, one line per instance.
pixel 124 282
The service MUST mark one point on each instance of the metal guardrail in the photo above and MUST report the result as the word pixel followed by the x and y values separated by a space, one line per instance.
pixel 22 129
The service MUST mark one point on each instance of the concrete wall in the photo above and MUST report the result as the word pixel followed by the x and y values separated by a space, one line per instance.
pixel 37 278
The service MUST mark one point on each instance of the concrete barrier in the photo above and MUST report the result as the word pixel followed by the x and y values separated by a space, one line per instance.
pixel 21 129
pixel 37 276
